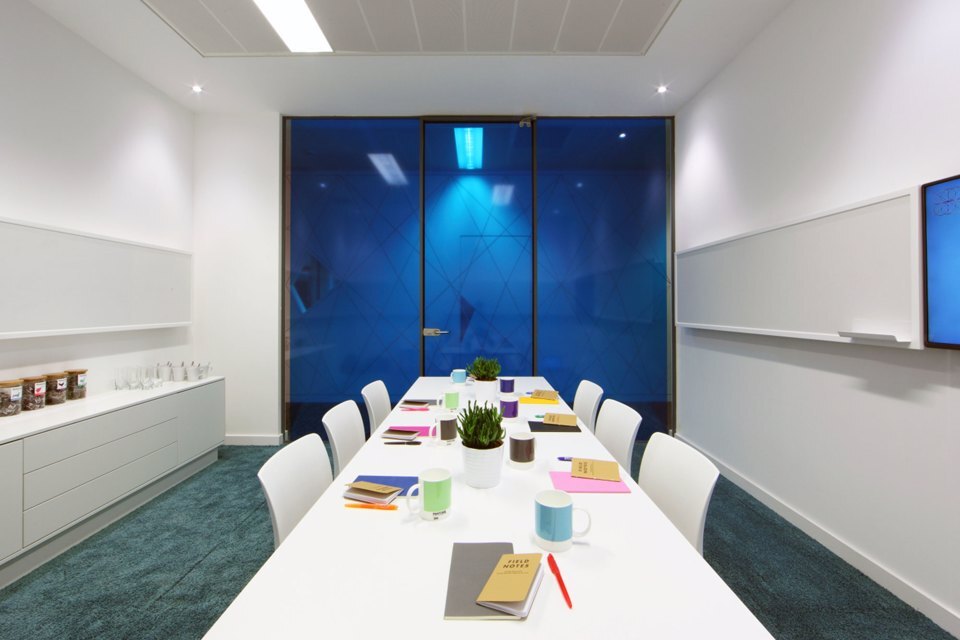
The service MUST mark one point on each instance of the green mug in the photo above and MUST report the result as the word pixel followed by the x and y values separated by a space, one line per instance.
pixel 432 501
pixel 449 400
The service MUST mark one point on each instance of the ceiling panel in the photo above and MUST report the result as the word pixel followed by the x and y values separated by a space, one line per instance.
pixel 537 25
pixel 636 24
pixel 489 25
pixel 246 23
pixel 392 25
pixel 585 25
pixel 197 25
pixel 441 25
pixel 343 24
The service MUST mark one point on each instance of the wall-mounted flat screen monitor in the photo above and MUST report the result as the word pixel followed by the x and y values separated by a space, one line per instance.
pixel 941 262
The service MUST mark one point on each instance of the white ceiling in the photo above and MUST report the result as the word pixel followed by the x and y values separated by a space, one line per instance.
pixel 237 27
pixel 697 41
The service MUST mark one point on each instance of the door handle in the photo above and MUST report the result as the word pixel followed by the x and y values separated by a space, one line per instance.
pixel 433 333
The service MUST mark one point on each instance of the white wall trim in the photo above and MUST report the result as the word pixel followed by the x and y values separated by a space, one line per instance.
pixel 254 439
pixel 906 591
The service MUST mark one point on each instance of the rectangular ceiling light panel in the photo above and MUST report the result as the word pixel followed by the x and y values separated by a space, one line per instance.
pixel 469 141
pixel 295 25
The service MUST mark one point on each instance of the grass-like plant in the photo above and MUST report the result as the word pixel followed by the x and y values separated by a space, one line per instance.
pixel 480 426
pixel 484 369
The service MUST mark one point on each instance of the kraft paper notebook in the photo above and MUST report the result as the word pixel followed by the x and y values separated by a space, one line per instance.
pixel 471 564
pixel 513 585
pixel 563 481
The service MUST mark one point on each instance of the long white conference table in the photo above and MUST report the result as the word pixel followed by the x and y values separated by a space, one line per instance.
pixel 358 573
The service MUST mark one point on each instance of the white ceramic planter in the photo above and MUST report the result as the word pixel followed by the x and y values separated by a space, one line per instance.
pixel 482 466
pixel 486 391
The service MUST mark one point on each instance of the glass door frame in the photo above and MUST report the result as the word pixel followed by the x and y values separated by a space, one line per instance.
pixel 528 121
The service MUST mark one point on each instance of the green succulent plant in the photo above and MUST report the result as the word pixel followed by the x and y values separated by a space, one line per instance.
pixel 484 369
pixel 480 426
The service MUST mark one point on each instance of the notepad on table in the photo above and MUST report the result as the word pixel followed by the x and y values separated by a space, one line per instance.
pixel 404 482
pixel 371 492
pixel 513 584
pixel 394 433
pixel 471 564
pixel 606 470
pixel 536 426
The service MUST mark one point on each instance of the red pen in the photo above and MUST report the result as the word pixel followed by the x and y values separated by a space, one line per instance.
pixel 556 571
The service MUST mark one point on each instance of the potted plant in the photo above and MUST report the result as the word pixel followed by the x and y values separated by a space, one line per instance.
pixel 481 435
pixel 485 371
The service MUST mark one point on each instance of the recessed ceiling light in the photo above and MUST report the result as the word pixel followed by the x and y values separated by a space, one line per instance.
pixel 197 88
pixel 622 135
pixel 295 25
pixel 662 88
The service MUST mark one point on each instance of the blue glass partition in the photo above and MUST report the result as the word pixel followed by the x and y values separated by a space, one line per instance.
pixel 602 259
pixel 353 252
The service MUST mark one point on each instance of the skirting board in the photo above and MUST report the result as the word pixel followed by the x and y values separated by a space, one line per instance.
pixel 909 593
pixel 30 559
pixel 256 439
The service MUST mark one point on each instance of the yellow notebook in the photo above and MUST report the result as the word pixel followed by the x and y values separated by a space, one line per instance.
pixel 529 400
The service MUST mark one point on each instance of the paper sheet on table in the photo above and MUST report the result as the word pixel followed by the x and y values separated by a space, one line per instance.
pixel 563 481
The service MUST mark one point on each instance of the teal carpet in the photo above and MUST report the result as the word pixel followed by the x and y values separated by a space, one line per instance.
pixel 169 569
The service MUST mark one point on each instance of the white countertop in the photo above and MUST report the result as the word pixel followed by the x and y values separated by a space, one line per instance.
pixel 28 423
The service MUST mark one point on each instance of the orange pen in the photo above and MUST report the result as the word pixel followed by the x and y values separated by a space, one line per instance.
pixel 380 507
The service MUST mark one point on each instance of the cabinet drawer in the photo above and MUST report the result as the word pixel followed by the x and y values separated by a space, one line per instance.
pixel 11 498
pixel 66 508
pixel 57 478
pixel 59 444
pixel 201 424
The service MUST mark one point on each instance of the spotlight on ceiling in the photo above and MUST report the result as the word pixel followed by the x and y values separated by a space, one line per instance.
pixel 197 88
pixel 662 88
pixel 295 25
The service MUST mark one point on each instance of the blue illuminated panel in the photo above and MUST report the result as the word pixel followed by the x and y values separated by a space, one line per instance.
pixel 354 254
pixel 478 282
pixel 602 257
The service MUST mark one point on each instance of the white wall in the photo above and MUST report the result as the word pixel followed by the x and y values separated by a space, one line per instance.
pixel 835 102
pixel 237 223
pixel 87 146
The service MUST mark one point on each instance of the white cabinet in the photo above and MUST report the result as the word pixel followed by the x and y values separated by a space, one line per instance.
pixel 11 498
pixel 68 465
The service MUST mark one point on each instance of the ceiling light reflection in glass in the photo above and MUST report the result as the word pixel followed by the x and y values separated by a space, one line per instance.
pixel 469 142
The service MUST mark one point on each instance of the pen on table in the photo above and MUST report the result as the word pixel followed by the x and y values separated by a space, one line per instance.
pixel 564 458
pixel 556 571
pixel 410 442
pixel 378 507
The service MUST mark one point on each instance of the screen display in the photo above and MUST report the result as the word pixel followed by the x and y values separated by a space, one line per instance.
pixel 941 216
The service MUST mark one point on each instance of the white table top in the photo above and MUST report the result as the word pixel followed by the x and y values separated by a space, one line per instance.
pixel 360 573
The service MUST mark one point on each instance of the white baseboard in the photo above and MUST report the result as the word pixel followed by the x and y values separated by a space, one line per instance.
pixel 256 439
pixel 906 591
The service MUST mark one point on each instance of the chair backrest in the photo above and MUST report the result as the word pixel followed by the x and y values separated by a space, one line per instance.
pixel 377 400
pixel 680 480
pixel 586 402
pixel 617 427
pixel 344 426
pixel 292 479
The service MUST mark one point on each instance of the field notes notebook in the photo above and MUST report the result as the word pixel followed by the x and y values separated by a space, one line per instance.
pixel 470 567
pixel 513 584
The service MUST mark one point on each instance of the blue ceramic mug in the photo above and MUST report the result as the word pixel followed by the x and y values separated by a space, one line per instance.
pixel 458 376
pixel 554 520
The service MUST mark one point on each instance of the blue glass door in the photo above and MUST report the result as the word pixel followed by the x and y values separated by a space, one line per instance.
pixel 478 260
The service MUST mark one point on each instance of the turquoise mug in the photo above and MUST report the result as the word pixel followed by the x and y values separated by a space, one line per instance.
pixel 554 520
pixel 458 376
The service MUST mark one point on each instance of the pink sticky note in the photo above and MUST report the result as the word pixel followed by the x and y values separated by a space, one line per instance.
pixel 563 481
pixel 414 408
pixel 423 431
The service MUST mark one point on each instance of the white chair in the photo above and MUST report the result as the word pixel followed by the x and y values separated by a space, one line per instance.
pixel 680 480
pixel 344 426
pixel 293 479
pixel 586 402
pixel 377 400
pixel 617 427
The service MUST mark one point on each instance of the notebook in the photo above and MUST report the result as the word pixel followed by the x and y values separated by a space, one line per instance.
pixel 563 481
pixel 537 426
pixel 513 585
pixel 400 434
pixel 371 492
pixel 471 564
pixel 404 482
